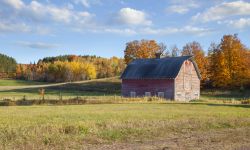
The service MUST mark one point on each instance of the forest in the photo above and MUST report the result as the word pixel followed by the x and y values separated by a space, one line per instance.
pixel 70 68
pixel 223 65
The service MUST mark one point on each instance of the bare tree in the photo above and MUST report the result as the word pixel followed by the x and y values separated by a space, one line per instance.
pixel 162 48
pixel 174 51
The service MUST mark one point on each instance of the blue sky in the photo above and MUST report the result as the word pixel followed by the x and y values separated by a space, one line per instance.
pixel 30 30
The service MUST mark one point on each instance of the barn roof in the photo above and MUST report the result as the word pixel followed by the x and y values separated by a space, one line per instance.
pixel 162 68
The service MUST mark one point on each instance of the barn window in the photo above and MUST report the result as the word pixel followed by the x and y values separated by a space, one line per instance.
pixel 132 94
pixel 148 94
pixel 160 94
pixel 178 94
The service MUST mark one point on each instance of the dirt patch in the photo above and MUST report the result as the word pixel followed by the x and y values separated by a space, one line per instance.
pixel 229 139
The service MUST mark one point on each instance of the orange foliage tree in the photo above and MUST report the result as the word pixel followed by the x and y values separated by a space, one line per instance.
pixel 141 49
pixel 229 63
pixel 194 49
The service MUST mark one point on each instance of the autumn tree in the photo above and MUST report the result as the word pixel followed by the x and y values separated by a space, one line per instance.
pixel 141 49
pixel 229 63
pixel 217 72
pixel 234 52
pixel 194 49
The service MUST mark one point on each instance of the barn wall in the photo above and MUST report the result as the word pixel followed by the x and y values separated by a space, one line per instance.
pixel 148 85
pixel 187 83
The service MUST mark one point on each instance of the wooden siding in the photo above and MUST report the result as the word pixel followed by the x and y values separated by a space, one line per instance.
pixel 187 83
pixel 148 85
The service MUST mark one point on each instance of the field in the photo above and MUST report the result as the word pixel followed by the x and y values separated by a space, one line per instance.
pixel 117 125
pixel 18 83
pixel 110 87
pixel 210 123
pixel 101 87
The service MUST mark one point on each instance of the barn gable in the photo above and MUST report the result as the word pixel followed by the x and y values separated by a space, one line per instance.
pixel 164 68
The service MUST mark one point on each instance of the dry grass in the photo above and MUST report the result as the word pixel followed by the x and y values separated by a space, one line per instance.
pixel 62 127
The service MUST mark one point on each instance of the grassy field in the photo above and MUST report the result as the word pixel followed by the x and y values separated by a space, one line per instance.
pixel 113 125
pixel 140 123
pixel 96 88
pixel 19 83
pixel 103 87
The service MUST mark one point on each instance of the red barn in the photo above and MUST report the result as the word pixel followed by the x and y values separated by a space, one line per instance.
pixel 174 78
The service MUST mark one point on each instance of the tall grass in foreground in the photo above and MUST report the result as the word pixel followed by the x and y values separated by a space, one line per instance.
pixel 81 100
pixel 61 127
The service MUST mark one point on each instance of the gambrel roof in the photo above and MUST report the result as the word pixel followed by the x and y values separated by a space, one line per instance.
pixel 156 68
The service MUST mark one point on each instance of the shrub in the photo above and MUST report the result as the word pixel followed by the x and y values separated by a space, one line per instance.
pixel 245 101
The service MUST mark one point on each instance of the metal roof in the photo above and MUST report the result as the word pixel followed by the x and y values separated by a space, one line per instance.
pixel 156 68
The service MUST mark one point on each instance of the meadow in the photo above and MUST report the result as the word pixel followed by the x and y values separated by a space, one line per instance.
pixel 11 82
pixel 97 89
pixel 113 125
pixel 108 121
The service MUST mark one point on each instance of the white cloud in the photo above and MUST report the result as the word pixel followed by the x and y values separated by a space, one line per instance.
pixel 17 4
pixel 131 16
pixel 12 27
pixel 120 31
pixel 173 30
pixel 158 31
pixel 85 3
pixel 40 12
pixel 224 10
pixel 36 45
pixel 182 7
pixel 240 23
pixel 37 14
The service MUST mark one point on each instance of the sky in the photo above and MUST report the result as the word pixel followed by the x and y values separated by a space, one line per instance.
pixel 32 29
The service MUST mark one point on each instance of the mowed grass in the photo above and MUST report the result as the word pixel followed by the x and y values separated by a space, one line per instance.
pixel 103 87
pixel 9 82
pixel 75 126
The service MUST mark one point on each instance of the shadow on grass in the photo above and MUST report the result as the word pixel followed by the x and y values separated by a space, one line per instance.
pixel 208 104
pixel 226 95
pixel 99 88
pixel 231 105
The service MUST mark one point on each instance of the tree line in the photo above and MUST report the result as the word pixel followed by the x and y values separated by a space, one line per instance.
pixel 7 66
pixel 225 65
pixel 70 68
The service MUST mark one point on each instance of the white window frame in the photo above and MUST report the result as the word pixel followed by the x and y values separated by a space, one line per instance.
pixel 196 94
pixel 161 94
pixel 148 94
pixel 178 94
pixel 132 94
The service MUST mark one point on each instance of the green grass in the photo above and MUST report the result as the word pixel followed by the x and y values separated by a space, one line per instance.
pixel 61 127
pixel 19 82
pixel 225 94
pixel 109 87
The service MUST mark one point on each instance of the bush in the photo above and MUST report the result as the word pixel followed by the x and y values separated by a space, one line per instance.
pixel 245 101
